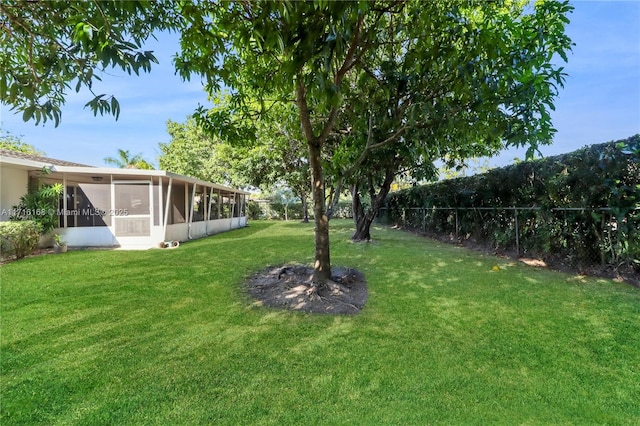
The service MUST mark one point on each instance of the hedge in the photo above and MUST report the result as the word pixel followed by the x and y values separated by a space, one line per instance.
pixel 601 181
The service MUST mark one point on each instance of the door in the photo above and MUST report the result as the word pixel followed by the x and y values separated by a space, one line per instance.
pixel 132 209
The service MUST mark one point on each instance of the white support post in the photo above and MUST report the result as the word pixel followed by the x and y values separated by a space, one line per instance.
pixel 112 187
pixel 64 200
pixel 208 218
pixel 210 202
pixel 160 202
pixel 193 197
pixel 232 209
pixel 166 209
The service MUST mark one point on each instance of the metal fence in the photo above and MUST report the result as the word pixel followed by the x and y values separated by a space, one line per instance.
pixel 577 237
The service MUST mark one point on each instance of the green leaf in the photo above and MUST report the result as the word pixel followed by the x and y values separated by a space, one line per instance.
pixel 27 114
pixel 115 107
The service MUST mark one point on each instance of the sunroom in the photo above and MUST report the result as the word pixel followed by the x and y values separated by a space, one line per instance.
pixel 132 208
pixel 140 208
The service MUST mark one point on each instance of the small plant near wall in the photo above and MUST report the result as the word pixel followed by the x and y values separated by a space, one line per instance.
pixel 39 204
pixel 59 245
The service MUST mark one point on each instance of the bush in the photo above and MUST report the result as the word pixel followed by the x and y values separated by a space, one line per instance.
pixel 40 204
pixel 19 238
pixel 254 212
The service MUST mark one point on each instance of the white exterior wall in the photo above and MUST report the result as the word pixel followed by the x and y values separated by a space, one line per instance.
pixel 180 231
pixel 104 236
pixel 13 185
pixel 99 236
pixel 177 232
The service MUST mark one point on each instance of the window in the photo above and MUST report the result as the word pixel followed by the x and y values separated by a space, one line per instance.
pixel 198 205
pixel 177 211
pixel 88 205
pixel 132 199
pixel 215 206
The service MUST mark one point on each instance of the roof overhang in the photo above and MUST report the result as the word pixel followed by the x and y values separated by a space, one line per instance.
pixel 23 163
pixel 138 173
pixel 33 165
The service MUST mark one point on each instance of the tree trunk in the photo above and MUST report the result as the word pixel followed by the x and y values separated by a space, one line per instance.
pixel 334 199
pixel 364 220
pixel 363 228
pixel 356 205
pixel 305 209
pixel 322 265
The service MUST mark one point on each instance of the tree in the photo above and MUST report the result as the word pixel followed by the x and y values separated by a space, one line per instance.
pixel 484 80
pixel 193 152
pixel 462 52
pixel 124 160
pixel 282 52
pixel 279 157
pixel 48 46
pixel 275 158
pixel 15 143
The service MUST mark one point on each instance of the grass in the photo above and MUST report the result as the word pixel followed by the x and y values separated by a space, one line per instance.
pixel 167 337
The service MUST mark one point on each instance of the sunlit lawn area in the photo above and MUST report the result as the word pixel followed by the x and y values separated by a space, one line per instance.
pixel 167 337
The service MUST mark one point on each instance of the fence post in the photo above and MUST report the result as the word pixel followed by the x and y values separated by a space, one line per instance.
pixel 515 213
pixel 457 225
pixel 603 253
pixel 404 217
pixel 424 219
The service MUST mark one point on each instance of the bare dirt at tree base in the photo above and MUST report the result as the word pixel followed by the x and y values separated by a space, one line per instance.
pixel 290 287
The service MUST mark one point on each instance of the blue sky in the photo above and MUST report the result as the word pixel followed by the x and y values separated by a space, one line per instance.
pixel 600 101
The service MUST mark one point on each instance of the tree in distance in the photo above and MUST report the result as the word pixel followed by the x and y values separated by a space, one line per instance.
pixel 15 143
pixel 125 160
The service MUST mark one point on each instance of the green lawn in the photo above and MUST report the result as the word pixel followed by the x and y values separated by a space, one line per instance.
pixel 167 337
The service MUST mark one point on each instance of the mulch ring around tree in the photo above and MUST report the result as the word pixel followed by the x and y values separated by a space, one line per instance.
pixel 290 287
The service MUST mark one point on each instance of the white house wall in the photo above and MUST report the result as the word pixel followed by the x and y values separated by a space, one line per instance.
pixel 13 185
pixel 177 232
pixel 98 236
pixel 103 236
pixel 181 232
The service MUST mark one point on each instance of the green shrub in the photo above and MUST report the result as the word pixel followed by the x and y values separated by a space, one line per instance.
pixel 40 205
pixel 19 238
pixel 254 212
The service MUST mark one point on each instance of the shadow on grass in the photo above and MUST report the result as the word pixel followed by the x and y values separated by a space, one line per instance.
pixel 233 234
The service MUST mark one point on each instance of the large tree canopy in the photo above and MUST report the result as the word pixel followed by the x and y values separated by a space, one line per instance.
pixel 413 81
pixel 275 157
pixel 193 152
